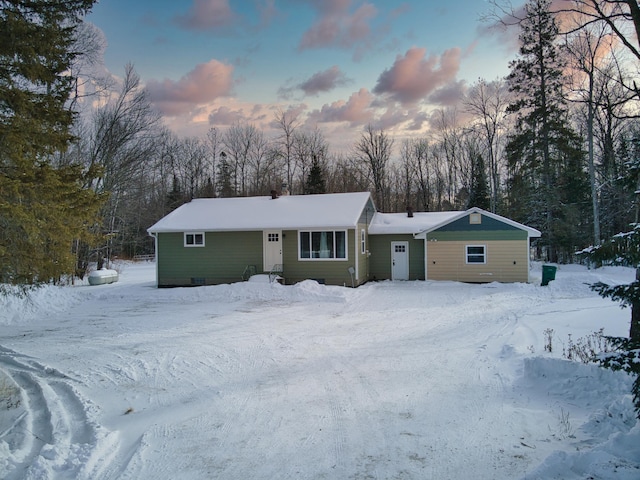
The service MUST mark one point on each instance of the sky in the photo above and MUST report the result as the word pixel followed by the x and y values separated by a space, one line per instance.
pixel 337 64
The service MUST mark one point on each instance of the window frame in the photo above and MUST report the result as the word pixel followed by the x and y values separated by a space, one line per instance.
pixel 363 242
pixel 333 248
pixel 194 244
pixel 468 254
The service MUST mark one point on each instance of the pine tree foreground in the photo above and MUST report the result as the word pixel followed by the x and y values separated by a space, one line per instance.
pixel 44 210
pixel 623 249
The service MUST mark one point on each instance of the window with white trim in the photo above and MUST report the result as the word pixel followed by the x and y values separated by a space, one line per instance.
pixel 363 242
pixel 327 245
pixel 194 239
pixel 476 254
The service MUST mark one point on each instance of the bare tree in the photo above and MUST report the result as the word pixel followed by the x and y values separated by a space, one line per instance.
pixel 288 123
pixel 88 78
pixel 618 18
pixel 488 102
pixel 214 148
pixel 450 143
pixel 259 163
pixel 239 141
pixel 121 141
pixel 345 175
pixel 374 149
pixel 587 48
pixel 307 146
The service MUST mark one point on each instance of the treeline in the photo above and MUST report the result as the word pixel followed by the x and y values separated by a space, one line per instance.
pixel 554 145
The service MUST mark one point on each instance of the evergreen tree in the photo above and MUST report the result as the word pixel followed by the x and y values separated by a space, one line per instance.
pixel 44 210
pixel 547 184
pixel 175 197
pixel 225 177
pixel 479 189
pixel 623 249
pixel 315 180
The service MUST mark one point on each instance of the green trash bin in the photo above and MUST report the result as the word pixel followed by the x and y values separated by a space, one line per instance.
pixel 548 274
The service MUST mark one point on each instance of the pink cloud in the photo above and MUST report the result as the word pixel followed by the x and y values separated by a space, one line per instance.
pixel 450 94
pixel 356 110
pixel 413 76
pixel 206 15
pixel 203 84
pixel 336 26
pixel 324 81
pixel 226 116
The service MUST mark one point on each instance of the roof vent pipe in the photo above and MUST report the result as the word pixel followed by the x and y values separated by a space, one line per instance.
pixel 409 212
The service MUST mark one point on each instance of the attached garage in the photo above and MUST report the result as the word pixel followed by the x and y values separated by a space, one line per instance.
pixel 470 246
pixel 478 246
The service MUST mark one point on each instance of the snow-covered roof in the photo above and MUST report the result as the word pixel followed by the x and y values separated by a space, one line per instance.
pixel 424 222
pixel 333 210
pixel 396 223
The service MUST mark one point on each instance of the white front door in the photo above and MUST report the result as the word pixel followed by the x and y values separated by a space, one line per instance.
pixel 400 260
pixel 272 249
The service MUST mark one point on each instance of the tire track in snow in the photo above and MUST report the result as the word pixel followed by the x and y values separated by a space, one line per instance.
pixel 55 437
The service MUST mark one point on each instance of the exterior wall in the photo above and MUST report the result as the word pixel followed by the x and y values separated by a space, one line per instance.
pixel 222 260
pixel 506 261
pixel 380 259
pixel 330 272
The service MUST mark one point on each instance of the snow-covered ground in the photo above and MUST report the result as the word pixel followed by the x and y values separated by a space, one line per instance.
pixel 393 380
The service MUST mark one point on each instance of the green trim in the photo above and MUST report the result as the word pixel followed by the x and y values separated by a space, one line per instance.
pixel 487 223
pixel 477 236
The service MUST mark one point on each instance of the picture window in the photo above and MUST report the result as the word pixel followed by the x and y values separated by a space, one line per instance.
pixel 328 245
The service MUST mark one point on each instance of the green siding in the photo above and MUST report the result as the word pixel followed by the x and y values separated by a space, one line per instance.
pixel 487 223
pixel 331 272
pixel 222 259
pixel 380 259
pixel 477 235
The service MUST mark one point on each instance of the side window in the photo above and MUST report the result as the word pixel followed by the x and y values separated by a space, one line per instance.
pixel 476 254
pixel 363 241
pixel 194 239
